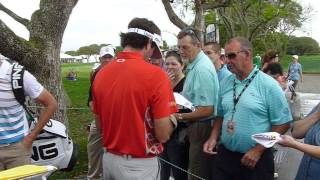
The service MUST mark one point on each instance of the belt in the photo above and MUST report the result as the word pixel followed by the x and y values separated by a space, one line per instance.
pixel 125 156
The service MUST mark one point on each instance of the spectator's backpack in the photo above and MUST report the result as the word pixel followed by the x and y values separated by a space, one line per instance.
pixel 53 146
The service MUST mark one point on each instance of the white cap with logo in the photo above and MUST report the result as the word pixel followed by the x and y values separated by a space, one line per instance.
pixel 107 50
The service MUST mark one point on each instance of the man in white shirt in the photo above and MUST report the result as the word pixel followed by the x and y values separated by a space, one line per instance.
pixel 15 138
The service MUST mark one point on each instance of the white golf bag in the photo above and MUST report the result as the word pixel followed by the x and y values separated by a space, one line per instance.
pixel 54 147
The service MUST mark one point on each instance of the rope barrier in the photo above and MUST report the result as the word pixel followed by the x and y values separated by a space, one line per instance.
pixel 181 169
pixel 72 108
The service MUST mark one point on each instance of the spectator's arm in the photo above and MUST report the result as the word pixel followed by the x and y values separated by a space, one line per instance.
pixel 210 144
pixel 301 127
pixel 281 129
pixel 200 113
pixel 306 148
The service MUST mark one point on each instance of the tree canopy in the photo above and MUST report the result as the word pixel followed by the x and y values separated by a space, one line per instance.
pixel 302 46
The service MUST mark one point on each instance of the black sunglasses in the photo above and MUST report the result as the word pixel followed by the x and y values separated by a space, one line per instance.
pixel 232 55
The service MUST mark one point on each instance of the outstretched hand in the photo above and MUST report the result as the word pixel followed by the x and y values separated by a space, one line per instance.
pixel 287 141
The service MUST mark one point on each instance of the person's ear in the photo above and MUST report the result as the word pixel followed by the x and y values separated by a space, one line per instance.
pixel 149 45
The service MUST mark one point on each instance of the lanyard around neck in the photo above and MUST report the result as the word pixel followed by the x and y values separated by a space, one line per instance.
pixel 235 98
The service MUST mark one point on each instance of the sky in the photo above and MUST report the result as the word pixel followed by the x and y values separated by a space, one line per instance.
pixel 101 21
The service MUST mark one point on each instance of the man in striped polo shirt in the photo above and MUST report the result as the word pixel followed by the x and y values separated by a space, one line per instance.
pixel 15 138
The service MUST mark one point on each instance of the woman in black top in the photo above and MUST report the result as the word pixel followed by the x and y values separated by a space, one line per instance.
pixel 176 150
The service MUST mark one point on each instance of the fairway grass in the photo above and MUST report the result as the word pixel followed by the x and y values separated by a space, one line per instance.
pixel 77 118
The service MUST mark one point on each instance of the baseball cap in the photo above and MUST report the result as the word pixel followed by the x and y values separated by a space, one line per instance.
pixel 295 56
pixel 156 38
pixel 107 50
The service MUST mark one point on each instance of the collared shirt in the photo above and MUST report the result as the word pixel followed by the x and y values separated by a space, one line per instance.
pixel 13 123
pixel 310 166
pixel 128 95
pixel 223 72
pixel 261 105
pixel 201 86
pixel 295 70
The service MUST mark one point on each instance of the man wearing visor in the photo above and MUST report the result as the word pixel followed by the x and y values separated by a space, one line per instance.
pixel 133 100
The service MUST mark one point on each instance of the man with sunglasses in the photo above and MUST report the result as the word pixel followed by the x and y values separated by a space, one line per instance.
pixel 250 102
pixel 133 100
pixel 201 88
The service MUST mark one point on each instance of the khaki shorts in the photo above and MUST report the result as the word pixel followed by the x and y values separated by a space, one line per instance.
pixel 13 155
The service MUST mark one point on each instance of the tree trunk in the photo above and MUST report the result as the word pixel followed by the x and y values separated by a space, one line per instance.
pixel 41 53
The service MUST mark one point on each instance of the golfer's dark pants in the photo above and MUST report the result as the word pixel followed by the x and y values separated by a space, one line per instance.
pixel 229 167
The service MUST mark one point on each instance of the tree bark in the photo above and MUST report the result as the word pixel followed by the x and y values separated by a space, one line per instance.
pixel 41 53
pixel 200 7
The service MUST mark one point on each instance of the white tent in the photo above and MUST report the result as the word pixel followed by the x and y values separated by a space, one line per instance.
pixel 65 58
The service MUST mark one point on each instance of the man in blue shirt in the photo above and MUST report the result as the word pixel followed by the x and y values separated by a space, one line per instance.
pixel 201 87
pixel 250 102
pixel 213 51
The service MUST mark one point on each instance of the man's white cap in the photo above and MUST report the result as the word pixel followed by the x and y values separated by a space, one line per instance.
pixel 156 38
pixel 295 56
pixel 107 50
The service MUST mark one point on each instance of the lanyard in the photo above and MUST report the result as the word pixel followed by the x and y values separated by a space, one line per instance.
pixel 235 98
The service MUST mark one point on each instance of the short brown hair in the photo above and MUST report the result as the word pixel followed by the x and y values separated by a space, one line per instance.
pixel 137 40
pixel 215 46
pixel 244 43
pixel 269 55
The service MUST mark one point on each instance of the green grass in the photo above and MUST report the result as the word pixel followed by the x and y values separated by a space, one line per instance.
pixel 78 94
pixel 310 64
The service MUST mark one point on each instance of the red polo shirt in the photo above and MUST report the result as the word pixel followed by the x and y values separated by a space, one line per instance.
pixel 127 95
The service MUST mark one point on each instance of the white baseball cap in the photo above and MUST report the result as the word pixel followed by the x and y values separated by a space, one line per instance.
pixel 156 38
pixel 107 50
pixel 295 56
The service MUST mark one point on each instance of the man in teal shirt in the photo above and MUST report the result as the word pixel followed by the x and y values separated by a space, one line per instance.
pixel 201 87
pixel 213 51
pixel 250 102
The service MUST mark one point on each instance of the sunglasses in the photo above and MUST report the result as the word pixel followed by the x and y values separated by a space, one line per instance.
pixel 190 32
pixel 232 55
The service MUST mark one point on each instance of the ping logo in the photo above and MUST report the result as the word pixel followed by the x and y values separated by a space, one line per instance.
pixel 44 152
pixel 16 76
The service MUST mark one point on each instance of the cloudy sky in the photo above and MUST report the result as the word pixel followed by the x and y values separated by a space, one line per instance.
pixel 100 21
